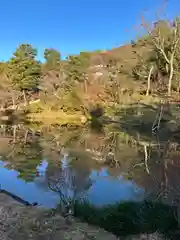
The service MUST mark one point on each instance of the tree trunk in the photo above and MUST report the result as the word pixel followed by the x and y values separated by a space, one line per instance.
pixel 14 133
pixel 146 159
pixel 13 100
pixel 85 85
pixel 178 88
pixel 149 81
pixel 170 75
pixel 25 99
pixel 26 137
pixel 4 130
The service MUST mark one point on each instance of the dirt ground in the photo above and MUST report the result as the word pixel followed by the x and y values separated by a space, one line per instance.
pixel 18 222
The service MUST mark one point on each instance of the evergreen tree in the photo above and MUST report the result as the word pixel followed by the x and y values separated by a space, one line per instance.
pixel 24 70
pixel 53 59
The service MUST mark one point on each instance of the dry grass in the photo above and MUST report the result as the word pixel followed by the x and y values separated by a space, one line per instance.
pixel 19 222
pixel 57 117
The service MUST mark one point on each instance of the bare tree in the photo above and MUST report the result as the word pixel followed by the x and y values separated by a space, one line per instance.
pixel 144 70
pixel 149 81
pixel 166 45
pixel 71 187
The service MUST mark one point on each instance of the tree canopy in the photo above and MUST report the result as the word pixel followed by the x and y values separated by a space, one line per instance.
pixel 23 68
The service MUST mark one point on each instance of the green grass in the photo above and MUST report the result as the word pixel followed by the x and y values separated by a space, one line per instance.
pixel 127 218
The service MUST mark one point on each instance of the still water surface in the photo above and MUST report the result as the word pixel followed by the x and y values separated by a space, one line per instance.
pixel 29 158
pixel 105 189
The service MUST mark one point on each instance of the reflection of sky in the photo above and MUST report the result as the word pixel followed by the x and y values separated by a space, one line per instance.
pixel 42 168
pixel 109 189
pixel 26 190
pixel 105 189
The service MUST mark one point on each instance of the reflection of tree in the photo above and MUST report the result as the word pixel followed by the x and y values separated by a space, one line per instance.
pixel 56 138
pixel 161 183
pixel 25 152
pixel 157 140
pixel 25 160
pixel 71 185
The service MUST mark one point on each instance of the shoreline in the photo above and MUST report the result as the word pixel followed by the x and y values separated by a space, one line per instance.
pixel 22 222
pixel 29 222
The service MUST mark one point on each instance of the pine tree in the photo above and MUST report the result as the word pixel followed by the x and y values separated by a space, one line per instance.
pixel 24 70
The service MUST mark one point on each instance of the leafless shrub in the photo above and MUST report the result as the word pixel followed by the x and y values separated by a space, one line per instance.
pixel 71 187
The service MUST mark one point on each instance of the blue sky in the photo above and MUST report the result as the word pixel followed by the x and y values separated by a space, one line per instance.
pixel 72 26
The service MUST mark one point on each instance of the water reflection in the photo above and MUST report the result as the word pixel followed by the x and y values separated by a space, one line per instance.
pixel 147 167
pixel 28 191
pixel 109 189
pixel 104 190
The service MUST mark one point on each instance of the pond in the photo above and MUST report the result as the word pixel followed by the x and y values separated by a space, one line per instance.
pixel 104 168
pixel 104 190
